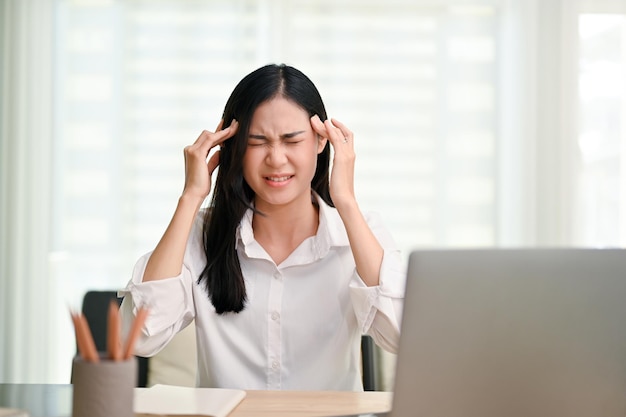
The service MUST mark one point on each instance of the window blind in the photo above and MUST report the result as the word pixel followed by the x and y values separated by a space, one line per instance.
pixel 140 80
pixel 415 83
pixel 602 131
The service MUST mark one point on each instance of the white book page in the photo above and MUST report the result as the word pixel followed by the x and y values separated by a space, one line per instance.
pixel 12 412
pixel 175 400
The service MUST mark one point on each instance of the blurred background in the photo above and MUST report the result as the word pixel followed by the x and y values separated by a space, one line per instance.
pixel 477 123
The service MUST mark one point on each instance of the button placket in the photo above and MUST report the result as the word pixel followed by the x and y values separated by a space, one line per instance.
pixel 274 336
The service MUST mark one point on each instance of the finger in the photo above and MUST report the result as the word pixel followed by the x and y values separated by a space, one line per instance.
pixel 318 126
pixel 232 129
pixel 208 140
pixel 201 138
pixel 220 125
pixel 335 136
pixel 226 133
pixel 229 132
pixel 214 161
pixel 347 133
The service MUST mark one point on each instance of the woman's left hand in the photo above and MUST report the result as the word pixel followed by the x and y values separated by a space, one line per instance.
pixel 342 175
pixel 367 251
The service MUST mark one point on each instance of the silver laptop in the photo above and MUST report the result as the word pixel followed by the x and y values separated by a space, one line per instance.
pixel 513 332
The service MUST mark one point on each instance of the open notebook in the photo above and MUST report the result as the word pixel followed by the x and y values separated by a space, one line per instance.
pixel 12 412
pixel 175 400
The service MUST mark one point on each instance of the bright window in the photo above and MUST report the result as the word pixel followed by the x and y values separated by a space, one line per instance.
pixel 477 123
pixel 137 81
pixel 602 135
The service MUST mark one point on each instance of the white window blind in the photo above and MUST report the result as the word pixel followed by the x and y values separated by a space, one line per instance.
pixel 138 81
pixel 141 80
pixel 416 83
pixel 477 122
pixel 602 132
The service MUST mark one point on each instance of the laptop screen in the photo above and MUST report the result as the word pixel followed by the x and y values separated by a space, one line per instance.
pixel 513 332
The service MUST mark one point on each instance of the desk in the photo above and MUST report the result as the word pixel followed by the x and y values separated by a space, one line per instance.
pixel 56 401
pixel 311 403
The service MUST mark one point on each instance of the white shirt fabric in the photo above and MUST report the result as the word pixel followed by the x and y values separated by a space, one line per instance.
pixel 303 320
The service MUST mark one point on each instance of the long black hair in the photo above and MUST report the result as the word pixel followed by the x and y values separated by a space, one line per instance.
pixel 232 196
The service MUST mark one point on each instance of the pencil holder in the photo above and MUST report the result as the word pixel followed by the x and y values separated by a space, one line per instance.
pixel 103 389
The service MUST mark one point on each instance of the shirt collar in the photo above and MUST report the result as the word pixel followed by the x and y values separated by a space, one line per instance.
pixel 330 233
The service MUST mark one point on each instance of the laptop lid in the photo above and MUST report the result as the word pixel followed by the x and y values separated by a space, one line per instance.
pixel 513 332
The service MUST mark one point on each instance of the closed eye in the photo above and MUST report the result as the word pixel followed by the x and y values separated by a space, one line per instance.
pixel 291 138
pixel 293 141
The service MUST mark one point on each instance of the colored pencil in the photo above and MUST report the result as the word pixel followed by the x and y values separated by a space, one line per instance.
pixel 140 318
pixel 114 343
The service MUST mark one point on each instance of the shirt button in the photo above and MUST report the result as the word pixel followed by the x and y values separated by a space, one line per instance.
pixel 275 315
pixel 277 275
pixel 275 365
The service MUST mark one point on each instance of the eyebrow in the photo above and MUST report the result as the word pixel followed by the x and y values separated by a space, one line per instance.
pixel 283 136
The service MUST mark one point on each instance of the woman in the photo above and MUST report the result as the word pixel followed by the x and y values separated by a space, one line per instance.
pixel 283 273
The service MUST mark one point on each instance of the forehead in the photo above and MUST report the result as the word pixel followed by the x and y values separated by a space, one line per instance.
pixel 278 111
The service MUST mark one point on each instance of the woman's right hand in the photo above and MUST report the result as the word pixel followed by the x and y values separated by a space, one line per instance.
pixel 198 170
pixel 167 258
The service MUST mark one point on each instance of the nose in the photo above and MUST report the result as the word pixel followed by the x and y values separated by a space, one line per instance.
pixel 276 155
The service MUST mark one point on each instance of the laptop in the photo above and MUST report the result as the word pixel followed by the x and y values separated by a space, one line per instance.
pixel 513 332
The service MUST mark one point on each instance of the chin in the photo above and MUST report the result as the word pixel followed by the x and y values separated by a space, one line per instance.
pixel 278 198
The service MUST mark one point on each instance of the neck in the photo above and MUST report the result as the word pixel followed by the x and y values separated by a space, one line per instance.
pixel 281 229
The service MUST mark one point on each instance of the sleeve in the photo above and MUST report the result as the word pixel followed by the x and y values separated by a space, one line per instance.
pixel 379 309
pixel 175 311
pixel 170 300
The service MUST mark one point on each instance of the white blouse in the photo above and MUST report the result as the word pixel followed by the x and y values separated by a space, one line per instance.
pixel 302 323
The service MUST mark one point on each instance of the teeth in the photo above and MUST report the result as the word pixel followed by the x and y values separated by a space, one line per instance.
pixel 278 179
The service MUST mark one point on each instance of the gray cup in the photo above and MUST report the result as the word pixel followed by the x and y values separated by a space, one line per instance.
pixel 103 389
